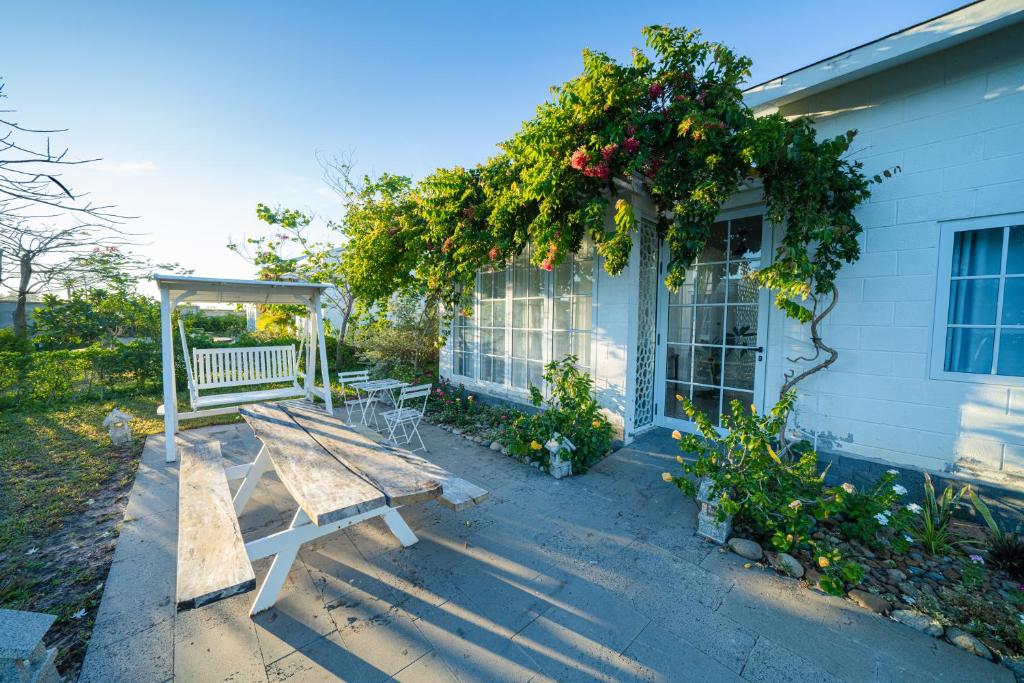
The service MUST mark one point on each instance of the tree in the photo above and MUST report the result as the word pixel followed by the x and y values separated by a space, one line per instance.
pixel 289 252
pixel 44 225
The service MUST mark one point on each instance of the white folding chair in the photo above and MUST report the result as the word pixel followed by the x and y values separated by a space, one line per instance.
pixel 407 415
pixel 361 402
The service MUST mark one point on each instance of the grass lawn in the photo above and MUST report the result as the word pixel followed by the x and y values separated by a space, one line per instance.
pixel 64 488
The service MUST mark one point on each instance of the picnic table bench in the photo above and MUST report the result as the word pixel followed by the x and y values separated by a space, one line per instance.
pixel 336 475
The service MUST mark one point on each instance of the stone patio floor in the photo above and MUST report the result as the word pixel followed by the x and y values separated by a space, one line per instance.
pixel 597 577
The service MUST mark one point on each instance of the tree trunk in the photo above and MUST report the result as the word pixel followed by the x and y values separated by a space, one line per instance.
pixel 339 351
pixel 20 317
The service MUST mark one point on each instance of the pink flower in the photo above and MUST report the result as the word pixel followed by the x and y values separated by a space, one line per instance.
pixel 608 151
pixel 631 145
pixel 493 254
pixel 579 159
pixel 547 266
pixel 655 90
pixel 447 246
pixel 630 131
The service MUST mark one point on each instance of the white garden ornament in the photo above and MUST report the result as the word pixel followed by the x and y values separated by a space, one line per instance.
pixel 118 423
pixel 557 445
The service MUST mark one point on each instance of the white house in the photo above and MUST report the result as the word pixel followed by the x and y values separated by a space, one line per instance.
pixel 930 320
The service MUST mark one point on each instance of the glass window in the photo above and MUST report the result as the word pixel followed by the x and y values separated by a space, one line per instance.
pixel 529 287
pixel 492 326
pixel 985 319
pixel 464 345
pixel 571 305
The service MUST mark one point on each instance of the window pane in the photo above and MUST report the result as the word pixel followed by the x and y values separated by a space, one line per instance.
pixel 739 368
pixel 562 278
pixel 745 238
pixel 707 364
pixel 969 350
pixel 680 323
pixel 1013 301
pixel 519 373
pixel 674 407
pixel 536 350
pixel 744 397
pixel 584 279
pixel 519 344
pixel 581 346
pixel 683 295
pixel 714 250
pixel 559 345
pixel 973 302
pixel 741 326
pixel 1015 250
pixel 677 364
pixel 583 313
pixel 707 400
pixel 1011 353
pixel 708 324
pixel 536 308
pixel 519 313
pixel 562 314
pixel 535 374
pixel 710 284
pixel 742 290
pixel 977 252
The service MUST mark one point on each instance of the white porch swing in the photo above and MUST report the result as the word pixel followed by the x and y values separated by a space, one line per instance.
pixel 245 368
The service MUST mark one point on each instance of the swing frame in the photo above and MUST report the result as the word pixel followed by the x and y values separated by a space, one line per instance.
pixel 176 290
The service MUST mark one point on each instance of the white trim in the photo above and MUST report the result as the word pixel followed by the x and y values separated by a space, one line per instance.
pixel 955 27
pixel 937 362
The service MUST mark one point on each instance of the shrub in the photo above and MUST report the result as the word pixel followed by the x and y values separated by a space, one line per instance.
pixel 868 512
pixel 571 410
pixel 932 528
pixel 1005 548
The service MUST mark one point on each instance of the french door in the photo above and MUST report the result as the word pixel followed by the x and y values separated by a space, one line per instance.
pixel 713 330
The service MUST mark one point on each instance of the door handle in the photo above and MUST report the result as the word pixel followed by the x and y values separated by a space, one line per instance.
pixel 760 353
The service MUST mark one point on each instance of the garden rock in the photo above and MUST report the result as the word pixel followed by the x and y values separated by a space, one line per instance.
pixel 896 576
pixel 917 620
pixel 966 641
pixel 495 446
pixel 787 564
pixel 870 601
pixel 746 548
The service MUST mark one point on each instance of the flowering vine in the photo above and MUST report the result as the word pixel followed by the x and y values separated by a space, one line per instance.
pixel 671 125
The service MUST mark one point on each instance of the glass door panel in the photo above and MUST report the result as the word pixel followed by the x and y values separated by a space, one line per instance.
pixel 714 325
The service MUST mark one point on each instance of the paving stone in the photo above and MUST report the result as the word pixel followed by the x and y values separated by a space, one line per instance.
pixel 297 618
pixel 229 651
pixel 658 655
pixel 918 621
pixel 324 659
pixel 429 667
pixel 770 662
pixel 138 594
pixel 389 646
pixel 145 656
pixel 583 633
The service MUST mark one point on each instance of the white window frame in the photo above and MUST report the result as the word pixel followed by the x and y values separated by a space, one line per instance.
pixel 948 230
pixel 505 388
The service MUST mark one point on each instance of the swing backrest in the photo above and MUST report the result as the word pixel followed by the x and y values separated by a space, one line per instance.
pixel 245 366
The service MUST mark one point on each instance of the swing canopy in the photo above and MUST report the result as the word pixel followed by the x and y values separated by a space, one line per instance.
pixel 242 369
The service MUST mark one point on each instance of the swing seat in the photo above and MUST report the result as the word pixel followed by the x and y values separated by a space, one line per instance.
pixel 246 368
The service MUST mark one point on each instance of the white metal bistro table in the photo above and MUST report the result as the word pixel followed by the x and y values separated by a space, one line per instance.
pixel 373 389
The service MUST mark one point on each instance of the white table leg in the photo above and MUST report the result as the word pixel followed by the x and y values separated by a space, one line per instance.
pixel 279 569
pixel 399 527
pixel 252 479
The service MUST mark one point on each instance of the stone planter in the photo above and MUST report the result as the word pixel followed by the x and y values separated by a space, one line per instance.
pixel 707 524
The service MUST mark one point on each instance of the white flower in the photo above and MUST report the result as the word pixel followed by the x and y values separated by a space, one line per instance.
pixel 796 504
pixel 900 491
pixel 1020 618
pixel 848 487
pixel 79 614
pixel 915 508
pixel 908 538
pixel 882 518
pixel 896 472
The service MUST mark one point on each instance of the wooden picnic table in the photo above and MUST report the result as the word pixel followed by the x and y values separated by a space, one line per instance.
pixel 337 476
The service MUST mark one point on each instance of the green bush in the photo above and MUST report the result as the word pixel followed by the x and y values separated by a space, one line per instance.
pixel 571 410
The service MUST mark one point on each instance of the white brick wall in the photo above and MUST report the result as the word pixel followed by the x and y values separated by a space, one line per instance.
pixel 954 123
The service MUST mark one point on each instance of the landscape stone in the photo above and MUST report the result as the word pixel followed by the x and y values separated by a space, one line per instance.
pixel 896 576
pixel 875 603
pixel 917 620
pixel 787 564
pixel 495 445
pixel 743 547
pixel 966 641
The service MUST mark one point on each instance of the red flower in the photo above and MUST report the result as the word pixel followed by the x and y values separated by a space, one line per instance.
pixel 447 246
pixel 630 130
pixel 579 159
pixel 603 171
pixel 493 254
pixel 631 145
pixel 608 151
pixel 469 212
pixel 546 266
pixel 656 90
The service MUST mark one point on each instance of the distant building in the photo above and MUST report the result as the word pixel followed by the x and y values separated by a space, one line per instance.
pixel 9 303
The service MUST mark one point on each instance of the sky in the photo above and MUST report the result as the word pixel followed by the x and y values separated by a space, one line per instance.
pixel 199 111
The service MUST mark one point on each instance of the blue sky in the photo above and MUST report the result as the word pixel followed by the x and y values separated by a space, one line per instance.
pixel 201 111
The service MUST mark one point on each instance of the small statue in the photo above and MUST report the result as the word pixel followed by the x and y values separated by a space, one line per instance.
pixel 118 423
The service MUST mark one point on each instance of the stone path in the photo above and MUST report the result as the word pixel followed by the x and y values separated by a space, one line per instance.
pixel 596 577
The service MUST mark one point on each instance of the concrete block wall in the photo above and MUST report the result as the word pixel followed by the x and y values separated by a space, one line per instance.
pixel 954 123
